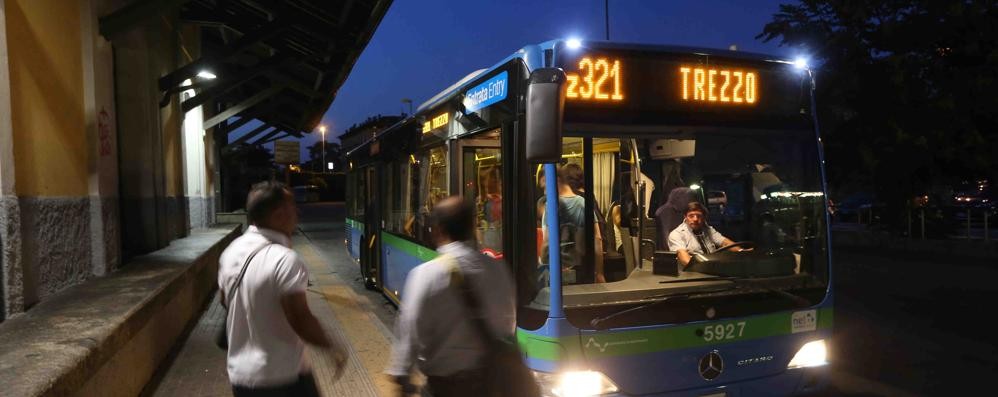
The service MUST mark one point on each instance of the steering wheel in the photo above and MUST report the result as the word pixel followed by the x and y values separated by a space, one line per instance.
pixel 749 244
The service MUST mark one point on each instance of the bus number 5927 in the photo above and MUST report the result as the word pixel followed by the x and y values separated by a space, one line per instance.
pixel 723 331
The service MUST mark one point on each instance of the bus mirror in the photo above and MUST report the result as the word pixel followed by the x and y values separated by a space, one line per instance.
pixel 545 106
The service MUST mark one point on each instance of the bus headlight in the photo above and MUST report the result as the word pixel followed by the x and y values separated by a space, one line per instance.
pixel 813 354
pixel 575 384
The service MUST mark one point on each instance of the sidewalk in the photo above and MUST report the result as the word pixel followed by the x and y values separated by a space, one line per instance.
pixel 198 368
pixel 106 336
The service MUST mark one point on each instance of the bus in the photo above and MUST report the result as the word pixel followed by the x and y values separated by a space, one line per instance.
pixel 607 309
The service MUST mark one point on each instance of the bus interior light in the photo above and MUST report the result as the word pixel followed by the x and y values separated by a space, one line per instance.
pixel 813 354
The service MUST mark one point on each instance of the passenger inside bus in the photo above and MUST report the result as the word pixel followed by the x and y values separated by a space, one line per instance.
pixel 770 233
pixel 615 220
pixel 575 180
pixel 539 208
pixel 572 217
pixel 417 225
pixel 541 188
pixel 488 204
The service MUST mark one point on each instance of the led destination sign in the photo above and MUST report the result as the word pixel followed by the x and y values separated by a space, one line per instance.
pixel 638 86
pixel 599 79
pixel 437 122
pixel 718 85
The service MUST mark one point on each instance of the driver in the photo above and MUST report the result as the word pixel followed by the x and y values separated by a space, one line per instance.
pixel 695 236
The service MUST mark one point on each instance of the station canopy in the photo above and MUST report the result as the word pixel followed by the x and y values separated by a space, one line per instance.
pixel 277 61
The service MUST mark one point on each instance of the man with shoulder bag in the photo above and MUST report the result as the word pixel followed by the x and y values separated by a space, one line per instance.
pixel 263 282
pixel 457 318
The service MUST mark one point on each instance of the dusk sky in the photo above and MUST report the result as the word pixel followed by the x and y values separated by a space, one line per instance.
pixel 422 47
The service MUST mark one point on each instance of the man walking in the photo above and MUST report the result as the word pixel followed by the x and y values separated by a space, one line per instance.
pixel 435 323
pixel 269 320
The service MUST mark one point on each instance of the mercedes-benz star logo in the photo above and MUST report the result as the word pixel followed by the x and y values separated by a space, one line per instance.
pixel 711 365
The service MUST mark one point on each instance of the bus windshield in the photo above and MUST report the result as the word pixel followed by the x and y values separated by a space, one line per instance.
pixel 623 201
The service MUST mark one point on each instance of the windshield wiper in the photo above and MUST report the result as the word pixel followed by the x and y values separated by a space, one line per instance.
pixel 691 280
pixel 668 297
pixel 799 300
pixel 739 281
pixel 796 299
pixel 736 283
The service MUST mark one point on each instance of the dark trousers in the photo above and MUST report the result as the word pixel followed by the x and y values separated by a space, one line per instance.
pixel 464 383
pixel 303 387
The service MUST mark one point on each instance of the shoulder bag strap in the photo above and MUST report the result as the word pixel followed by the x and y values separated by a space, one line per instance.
pixel 455 277
pixel 242 272
pixel 473 304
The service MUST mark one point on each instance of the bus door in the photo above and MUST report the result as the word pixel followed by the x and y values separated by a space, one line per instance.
pixel 480 175
pixel 371 245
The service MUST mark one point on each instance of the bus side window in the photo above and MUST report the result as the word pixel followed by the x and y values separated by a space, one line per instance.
pixel 483 186
pixel 432 187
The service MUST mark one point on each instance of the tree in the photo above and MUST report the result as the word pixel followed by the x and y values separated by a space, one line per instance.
pixel 906 89
pixel 244 166
pixel 333 155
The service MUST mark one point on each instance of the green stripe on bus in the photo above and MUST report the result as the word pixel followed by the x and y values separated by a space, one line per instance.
pixel 418 251
pixel 825 317
pixel 624 343
pixel 354 224
pixel 547 348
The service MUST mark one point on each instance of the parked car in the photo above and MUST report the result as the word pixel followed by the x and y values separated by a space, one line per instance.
pixel 306 193
pixel 976 195
pixel 854 203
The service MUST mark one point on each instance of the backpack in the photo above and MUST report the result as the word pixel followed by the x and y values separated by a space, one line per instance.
pixel 571 245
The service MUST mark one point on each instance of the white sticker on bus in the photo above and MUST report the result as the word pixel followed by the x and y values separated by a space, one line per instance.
pixel 804 321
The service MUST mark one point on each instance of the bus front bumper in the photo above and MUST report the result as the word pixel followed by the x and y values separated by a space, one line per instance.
pixel 792 382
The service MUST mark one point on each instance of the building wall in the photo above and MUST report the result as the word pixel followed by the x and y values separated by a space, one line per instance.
pixel 154 208
pixel 197 191
pixel 10 272
pixel 98 82
pixel 92 169
pixel 49 145
pixel 196 172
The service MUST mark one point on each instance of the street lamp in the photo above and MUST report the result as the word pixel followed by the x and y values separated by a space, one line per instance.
pixel 409 101
pixel 322 129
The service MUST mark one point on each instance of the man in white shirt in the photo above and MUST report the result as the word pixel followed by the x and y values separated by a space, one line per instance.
pixel 695 236
pixel 269 321
pixel 435 329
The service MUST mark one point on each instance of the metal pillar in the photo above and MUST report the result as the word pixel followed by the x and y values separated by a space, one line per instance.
pixel 922 215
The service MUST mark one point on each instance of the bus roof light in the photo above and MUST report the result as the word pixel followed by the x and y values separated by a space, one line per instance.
pixel 800 63
pixel 574 44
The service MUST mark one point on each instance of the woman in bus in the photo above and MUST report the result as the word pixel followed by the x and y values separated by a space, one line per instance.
pixel 571 215
pixel 575 179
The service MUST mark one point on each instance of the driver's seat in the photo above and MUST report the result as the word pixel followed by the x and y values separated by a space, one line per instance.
pixel 629 249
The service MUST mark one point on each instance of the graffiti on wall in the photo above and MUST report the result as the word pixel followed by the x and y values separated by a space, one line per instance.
pixel 104 132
